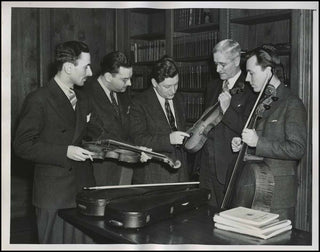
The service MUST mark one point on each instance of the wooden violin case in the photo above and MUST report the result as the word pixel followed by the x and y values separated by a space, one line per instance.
pixel 135 206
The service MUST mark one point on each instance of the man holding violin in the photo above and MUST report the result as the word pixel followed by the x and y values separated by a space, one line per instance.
pixel 157 120
pixel 279 136
pixel 112 105
pixel 216 157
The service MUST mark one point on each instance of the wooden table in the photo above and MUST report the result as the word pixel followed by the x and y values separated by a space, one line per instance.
pixel 191 227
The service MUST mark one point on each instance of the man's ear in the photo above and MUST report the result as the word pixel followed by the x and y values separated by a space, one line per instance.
pixel 67 67
pixel 154 82
pixel 108 76
pixel 237 61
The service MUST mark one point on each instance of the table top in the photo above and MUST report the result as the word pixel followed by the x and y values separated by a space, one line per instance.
pixel 191 227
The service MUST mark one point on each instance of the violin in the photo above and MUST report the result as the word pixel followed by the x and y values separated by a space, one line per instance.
pixel 210 118
pixel 124 152
pixel 251 183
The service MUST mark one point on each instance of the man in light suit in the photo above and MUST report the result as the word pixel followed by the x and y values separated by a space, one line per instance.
pixel 157 120
pixel 279 137
pixel 53 122
pixel 216 156
pixel 112 105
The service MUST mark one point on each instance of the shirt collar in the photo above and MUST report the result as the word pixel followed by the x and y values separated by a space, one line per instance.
pixel 233 80
pixel 63 86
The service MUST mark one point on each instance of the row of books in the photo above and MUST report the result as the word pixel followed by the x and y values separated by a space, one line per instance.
pixel 184 18
pixel 144 51
pixel 193 76
pixel 195 45
pixel 251 222
pixel 194 106
pixel 141 77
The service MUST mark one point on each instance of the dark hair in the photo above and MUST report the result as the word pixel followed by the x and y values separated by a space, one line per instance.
pixel 164 68
pixel 266 56
pixel 113 61
pixel 69 52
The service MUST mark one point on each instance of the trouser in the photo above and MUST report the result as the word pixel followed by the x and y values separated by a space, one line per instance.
pixel 54 230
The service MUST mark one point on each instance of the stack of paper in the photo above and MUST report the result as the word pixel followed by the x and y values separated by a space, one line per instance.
pixel 251 222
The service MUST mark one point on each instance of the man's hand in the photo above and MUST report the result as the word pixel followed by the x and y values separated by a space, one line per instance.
pixel 236 144
pixel 250 137
pixel 79 154
pixel 224 100
pixel 144 157
pixel 177 137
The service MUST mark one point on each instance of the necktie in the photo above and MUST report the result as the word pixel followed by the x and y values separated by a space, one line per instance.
pixel 170 116
pixel 114 103
pixel 72 98
pixel 225 86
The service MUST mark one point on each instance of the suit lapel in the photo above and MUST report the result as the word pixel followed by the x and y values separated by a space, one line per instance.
pixel 61 104
pixel 80 117
pixel 156 109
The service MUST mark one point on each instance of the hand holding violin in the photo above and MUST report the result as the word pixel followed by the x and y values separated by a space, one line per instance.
pixel 250 137
pixel 177 137
pixel 144 157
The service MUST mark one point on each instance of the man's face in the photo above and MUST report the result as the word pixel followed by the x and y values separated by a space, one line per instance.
pixel 81 70
pixel 167 88
pixel 121 80
pixel 227 65
pixel 256 76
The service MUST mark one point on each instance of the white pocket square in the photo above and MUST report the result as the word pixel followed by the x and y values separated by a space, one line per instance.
pixel 274 120
pixel 88 117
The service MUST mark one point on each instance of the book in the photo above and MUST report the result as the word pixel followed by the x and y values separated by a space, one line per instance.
pixel 233 238
pixel 253 232
pixel 249 216
pixel 272 226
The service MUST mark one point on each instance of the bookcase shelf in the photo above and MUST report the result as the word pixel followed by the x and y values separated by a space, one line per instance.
pixel 200 28
pixel 263 18
pixel 193 59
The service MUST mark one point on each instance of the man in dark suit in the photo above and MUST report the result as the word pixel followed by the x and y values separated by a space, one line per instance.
pixel 112 105
pixel 157 120
pixel 53 122
pixel 216 156
pixel 279 136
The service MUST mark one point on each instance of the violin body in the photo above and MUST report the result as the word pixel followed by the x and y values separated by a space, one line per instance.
pixel 211 117
pixel 124 152
pixel 199 131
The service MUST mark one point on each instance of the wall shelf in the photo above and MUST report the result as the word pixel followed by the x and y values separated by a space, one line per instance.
pixel 263 18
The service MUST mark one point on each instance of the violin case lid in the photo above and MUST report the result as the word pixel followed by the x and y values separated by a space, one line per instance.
pixel 135 206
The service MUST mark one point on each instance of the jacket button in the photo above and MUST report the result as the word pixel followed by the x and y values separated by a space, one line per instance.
pixel 70 169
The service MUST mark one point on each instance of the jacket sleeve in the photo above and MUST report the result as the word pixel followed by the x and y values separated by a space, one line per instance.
pixel 28 144
pixel 292 145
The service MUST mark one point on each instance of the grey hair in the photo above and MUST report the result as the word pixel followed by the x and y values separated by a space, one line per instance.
pixel 228 46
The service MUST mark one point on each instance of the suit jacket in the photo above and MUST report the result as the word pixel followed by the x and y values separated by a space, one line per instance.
pixel 149 127
pixel 216 155
pixel 110 171
pixel 48 124
pixel 115 128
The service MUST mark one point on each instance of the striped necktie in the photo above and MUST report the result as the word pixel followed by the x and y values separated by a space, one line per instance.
pixel 170 116
pixel 72 98
pixel 114 103
pixel 225 86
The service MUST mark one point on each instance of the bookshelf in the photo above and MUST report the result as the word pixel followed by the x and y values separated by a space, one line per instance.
pixel 194 34
pixel 146 43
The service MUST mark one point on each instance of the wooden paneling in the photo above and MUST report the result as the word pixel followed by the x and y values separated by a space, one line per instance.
pixel 24 58
pixel 92 26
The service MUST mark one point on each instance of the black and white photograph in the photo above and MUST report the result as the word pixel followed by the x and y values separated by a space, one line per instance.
pixel 159 125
